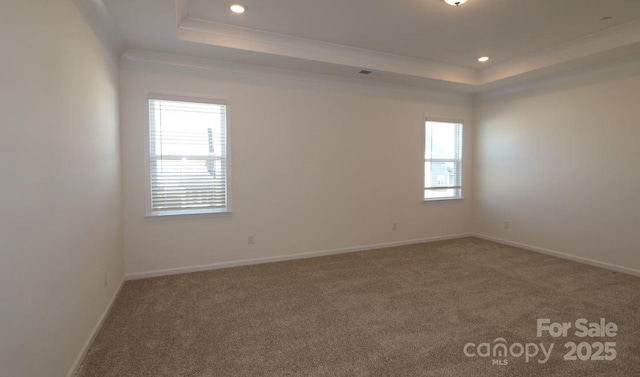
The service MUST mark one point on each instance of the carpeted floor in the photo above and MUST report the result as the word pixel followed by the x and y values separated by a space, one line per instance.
pixel 404 311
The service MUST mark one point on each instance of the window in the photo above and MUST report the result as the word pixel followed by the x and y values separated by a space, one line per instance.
pixel 442 161
pixel 187 157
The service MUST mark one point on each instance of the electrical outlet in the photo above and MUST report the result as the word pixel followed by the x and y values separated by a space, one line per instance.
pixel 251 240
pixel 507 224
pixel 394 226
pixel 105 278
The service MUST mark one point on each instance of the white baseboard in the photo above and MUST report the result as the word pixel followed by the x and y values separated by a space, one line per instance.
pixel 575 258
pixel 94 332
pixel 280 258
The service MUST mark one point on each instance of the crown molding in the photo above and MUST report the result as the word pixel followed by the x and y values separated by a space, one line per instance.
pixel 621 67
pixel 607 45
pixel 223 35
pixel 609 39
pixel 191 62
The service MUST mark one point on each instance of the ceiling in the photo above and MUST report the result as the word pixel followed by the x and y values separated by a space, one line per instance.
pixel 422 43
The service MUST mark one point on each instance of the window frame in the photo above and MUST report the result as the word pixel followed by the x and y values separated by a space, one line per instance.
pixel 194 98
pixel 459 160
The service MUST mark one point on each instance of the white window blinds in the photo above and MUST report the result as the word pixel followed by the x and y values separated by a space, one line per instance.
pixel 443 160
pixel 187 157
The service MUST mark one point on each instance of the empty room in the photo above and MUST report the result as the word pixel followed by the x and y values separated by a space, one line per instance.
pixel 204 188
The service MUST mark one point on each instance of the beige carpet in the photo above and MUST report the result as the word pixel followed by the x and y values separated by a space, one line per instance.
pixel 405 311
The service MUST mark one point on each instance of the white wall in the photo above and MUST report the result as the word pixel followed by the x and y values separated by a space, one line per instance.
pixel 60 205
pixel 316 165
pixel 560 162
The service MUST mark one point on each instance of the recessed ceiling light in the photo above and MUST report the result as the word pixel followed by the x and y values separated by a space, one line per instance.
pixel 483 59
pixel 238 8
pixel 455 3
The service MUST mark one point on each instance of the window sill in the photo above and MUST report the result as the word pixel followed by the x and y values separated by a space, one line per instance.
pixel 188 213
pixel 442 199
